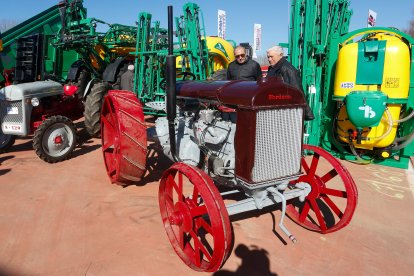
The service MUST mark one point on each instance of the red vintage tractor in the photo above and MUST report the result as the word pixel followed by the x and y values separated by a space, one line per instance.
pixel 237 147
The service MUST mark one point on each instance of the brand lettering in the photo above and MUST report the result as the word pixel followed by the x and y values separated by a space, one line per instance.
pixel 220 47
pixel 272 97
pixel 368 112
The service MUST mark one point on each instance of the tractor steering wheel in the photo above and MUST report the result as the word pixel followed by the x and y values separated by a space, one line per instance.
pixel 186 74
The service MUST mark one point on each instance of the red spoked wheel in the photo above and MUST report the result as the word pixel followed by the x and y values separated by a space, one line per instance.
pixel 195 217
pixel 124 137
pixel 333 199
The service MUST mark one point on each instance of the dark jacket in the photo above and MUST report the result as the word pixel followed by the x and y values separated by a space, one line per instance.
pixel 291 76
pixel 250 70
pixel 127 80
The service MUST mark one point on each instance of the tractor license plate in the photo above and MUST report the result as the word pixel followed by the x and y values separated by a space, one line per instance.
pixel 12 127
pixel 12 110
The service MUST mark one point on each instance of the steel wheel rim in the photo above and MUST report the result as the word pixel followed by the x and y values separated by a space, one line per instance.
pixel 110 138
pixel 185 219
pixel 61 132
pixel 124 137
pixel 327 208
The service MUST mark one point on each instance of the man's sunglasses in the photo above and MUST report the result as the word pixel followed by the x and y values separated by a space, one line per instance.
pixel 242 55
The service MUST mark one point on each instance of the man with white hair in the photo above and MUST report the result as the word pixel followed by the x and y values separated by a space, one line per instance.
pixel 127 79
pixel 280 67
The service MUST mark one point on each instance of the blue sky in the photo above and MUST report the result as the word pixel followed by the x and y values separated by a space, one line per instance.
pixel 241 14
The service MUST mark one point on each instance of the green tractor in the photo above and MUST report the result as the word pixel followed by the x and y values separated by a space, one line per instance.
pixel 104 57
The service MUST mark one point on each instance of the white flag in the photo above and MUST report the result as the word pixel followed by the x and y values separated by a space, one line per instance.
pixel 221 24
pixel 257 42
pixel 372 17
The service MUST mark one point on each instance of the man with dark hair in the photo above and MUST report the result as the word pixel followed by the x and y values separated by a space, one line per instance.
pixel 243 68
pixel 280 67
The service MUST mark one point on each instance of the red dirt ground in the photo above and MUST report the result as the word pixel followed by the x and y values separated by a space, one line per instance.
pixel 67 219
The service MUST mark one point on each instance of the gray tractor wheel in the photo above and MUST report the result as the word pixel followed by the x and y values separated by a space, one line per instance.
pixel 6 141
pixel 93 106
pixel 55 139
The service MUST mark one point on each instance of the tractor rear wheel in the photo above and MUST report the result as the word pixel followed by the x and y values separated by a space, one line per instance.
pixel 332 201
pixel 93 106
pixel 55 139
pixel 6 141
pixel 124 137
pixel 195 217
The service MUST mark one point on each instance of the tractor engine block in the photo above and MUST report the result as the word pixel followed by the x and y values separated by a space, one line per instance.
pixel 202 138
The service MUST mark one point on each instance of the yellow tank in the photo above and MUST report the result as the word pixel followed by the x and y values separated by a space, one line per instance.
pixel 389 73
pixel 220 51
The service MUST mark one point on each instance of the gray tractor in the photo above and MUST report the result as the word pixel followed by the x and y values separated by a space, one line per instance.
pixel 45 110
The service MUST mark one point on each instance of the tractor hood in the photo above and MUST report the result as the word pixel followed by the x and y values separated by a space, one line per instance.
pixel 265 93
pixel 38 89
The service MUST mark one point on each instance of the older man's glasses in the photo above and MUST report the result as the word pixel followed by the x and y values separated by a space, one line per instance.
pixel 240 56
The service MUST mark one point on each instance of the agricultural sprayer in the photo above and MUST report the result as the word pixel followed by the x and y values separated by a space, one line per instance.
pixel 237 147
pixel 359 84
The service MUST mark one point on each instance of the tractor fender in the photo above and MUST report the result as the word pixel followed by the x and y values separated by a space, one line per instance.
pixel 74 70
pixel 89 87
pixel 111 71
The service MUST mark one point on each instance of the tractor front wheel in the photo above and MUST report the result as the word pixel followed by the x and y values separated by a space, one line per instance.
pixel 55 139
pixel 332 201
pixel 195 217
pixel 6 141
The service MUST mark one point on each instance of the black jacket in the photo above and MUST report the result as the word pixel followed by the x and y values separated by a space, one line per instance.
pixel 127 80
pixel 250 70
pixel 291 76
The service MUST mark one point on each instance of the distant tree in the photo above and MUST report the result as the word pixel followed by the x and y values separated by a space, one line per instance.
pixel 410 29
pixel 6 24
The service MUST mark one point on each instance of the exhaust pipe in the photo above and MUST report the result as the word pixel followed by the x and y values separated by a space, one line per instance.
pixel 62 12
pixel 170 87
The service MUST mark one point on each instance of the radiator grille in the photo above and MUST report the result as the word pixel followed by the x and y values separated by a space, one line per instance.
pixel 278 144
pixel 5 109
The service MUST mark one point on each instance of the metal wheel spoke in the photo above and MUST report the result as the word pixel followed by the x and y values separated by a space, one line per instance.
pixel 108 124
pixel 332 205
pixel 178 187
pixel 305 212
pixel 305 165
pixel 334 192
pixel 318 214
pixel 314 164
pixel 107 147
pixel 198 211
pixel 171 181
pixel 195 195
pixel 181 238
pixel 110 108
pixel 199 246
pixel 331 174
pixel 205 225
